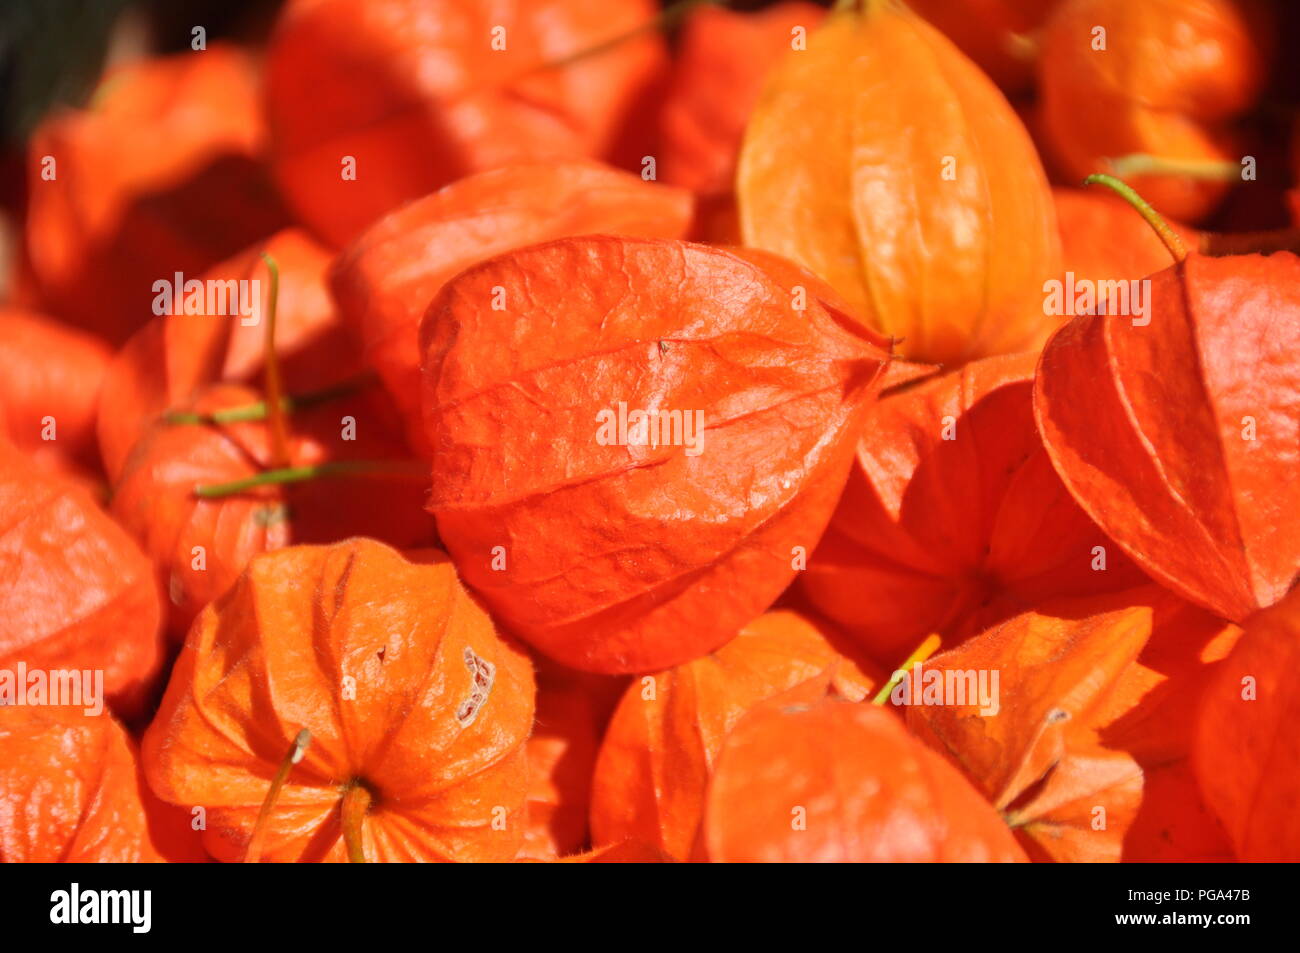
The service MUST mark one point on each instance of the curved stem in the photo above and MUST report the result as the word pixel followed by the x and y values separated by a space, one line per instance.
pixel 356 803
pixel 1206 170
pixel 1125 191
pixel 271 363
pixel 253 853
pixel 336 468
pixel 928 647
pixel 289 403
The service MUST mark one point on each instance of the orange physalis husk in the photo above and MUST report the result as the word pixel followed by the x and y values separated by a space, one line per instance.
pixel 161 173
pixel 200 545
pixel 385 280
pixel 664 738
pixel 1102 240
pixel 999 35
pixel 50 388
pixel 361 123
pixel 572 711
pixel 602 545
pixel 408 694
pixel 1247 747
pixel 939 234
pixel 1158 80
pixel 1083 741
pixel 723 61
pixel 1186 449
pixel 953 517
pixel 834 781
pixel 174 356
pixel 71 791
pixel 75 590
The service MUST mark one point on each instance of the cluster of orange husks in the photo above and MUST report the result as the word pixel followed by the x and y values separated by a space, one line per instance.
pixel 621 400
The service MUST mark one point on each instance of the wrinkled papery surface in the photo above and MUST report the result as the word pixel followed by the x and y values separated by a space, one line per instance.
pixel 953 517
pixel 869 792
pixel 369 652
pixel 160 173
pixel 1159 453
pixel 837 174
pixel 201 545
pixel 625 558
pixel 71 792
pixel 664 738
pixel 1172 77
pixel 172 357
pixel 385 280
pixel 1247 747
pixel 415 92
pixel 1087 751
pixel 75 590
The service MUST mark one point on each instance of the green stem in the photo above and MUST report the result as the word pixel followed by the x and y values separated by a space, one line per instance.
pixel 337 468
pixel 1125 191
pixel 253 853
pixel 1142 163
pixel 271 364
pixel 288 403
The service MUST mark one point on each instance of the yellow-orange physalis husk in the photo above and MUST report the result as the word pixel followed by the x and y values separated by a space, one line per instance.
pixel 882 159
